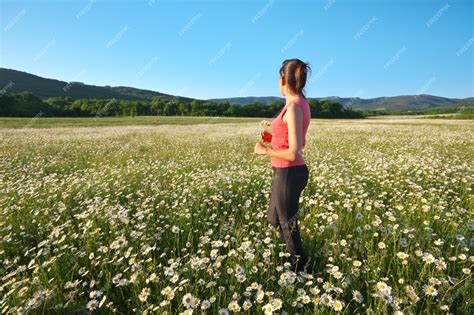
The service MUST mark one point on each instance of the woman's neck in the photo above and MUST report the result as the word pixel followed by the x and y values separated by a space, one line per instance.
pixel 291 98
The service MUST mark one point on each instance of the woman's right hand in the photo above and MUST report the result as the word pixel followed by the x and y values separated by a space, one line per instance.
pixel 260 149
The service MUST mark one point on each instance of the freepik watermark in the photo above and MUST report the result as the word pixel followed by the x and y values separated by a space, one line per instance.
pixel 7 87
pixel 425 87
pixel 465 47
pixel 365 28
pixel 14 20
pixel 249 84
pixel 262 11
pixel 73 81
pixel 103 110
pixel 85 9
pixel 219 54
pixel 117 37
pixel 147 67
pixel 44 50
pixel 32 120
pixel 323 70
pixel 188 25
pixel 353 99
pixel 437 15
pixel 292 41
pixel 329 4
pixel 395 57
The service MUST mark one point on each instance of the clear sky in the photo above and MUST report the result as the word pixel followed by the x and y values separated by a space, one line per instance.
pixel 212 49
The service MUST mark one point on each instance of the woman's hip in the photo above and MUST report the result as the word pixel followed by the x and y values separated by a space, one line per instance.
pixel 291 173
pixel 291 179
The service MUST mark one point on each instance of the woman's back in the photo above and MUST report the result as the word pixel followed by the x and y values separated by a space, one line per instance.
pixel 280 133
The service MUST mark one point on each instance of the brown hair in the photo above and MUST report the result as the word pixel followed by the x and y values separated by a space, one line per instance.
pixel 295 72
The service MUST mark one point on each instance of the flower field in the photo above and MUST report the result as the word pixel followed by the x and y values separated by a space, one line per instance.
pixel 171 219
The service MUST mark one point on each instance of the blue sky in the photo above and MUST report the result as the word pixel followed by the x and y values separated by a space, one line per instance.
pixel 211 49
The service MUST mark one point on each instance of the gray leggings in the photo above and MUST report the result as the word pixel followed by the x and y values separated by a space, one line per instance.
pixel 287 185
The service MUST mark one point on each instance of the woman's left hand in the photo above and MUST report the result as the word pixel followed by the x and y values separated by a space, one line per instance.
pixel 260 149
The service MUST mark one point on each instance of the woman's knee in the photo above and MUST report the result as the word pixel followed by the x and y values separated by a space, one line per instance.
pixel 272 216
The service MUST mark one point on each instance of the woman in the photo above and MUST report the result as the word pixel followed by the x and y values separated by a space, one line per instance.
pixel 290 173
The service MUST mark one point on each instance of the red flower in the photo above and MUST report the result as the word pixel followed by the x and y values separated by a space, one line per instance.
pixel 266 136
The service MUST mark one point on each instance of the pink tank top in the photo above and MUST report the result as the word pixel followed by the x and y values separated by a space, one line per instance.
pixel 280 133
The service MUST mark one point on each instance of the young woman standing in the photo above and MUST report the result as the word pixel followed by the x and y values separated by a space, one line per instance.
pixel 290 173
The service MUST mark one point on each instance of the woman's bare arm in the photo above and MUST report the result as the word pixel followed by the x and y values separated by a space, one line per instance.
pixel 294 119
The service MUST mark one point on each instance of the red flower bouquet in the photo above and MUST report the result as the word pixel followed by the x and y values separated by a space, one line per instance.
pixel 265 134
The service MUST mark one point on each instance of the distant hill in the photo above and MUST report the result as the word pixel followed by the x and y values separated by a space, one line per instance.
pixel 402 102
pixel 44 88
pixel 19 81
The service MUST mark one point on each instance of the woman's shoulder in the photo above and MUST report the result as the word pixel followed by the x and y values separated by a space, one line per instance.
pixel 301 103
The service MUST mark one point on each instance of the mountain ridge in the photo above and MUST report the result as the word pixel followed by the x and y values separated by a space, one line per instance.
pixel 400 102
pixel 20 81
pixel 47 87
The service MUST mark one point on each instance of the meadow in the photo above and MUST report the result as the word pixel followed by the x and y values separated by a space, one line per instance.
pixel 116 215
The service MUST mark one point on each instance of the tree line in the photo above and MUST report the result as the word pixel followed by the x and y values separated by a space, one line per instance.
pixel 25 104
